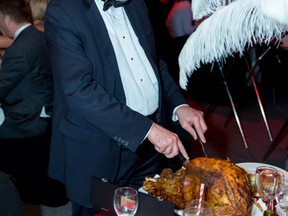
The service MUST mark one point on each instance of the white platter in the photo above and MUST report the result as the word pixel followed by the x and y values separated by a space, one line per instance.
pixel 251 167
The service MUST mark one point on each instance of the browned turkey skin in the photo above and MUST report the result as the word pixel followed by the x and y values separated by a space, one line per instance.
pixel 226 186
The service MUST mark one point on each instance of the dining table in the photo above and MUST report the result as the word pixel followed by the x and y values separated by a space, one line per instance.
pixel 151 206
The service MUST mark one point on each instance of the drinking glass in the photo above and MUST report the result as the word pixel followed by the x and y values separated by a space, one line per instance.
pixel 125 201
pixel 283 203
pixel 282 186
pixel 282 194
pixel 266 182
pixel 191 209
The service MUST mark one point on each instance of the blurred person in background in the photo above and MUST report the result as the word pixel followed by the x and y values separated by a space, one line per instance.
pixel 38 8
pixel 5 42
pixel 26 97
pixel 179 21
pixel 180 25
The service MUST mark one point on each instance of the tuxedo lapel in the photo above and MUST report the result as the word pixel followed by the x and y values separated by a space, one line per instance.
pixel 135 20
pixel 100 32
pixel 100 35
pixel 100 41
pixel 98 27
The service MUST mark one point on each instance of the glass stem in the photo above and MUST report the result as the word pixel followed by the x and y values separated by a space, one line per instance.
pixel 270 205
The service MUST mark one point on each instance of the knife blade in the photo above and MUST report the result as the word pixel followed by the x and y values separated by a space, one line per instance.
pixel 202 144
pixel 183 160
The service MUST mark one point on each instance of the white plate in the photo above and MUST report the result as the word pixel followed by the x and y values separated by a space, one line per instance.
pixel 250 167
pixel 255 210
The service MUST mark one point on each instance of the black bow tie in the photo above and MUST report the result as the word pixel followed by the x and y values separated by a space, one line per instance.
pixel 115 3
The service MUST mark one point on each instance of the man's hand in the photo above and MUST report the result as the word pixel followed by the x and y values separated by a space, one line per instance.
pixel 166 142
pixel 189 119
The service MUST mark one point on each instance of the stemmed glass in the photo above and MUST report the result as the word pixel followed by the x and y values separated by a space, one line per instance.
pixel 266 182
pixel 283 203
pixel 125 201
pixel 282 193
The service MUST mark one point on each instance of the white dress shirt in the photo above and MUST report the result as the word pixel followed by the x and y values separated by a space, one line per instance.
pixel 18 31
pixel 137 75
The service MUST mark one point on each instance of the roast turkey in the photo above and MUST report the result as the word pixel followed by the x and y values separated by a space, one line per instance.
pixel 226 186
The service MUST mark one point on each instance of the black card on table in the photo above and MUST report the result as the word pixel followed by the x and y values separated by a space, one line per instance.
pixel 102 199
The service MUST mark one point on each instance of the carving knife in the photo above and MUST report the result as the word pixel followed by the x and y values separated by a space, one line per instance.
pixel 183 160
pixel 202 144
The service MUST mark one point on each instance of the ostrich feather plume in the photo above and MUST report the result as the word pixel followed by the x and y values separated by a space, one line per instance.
pixel 278 10
pixel 203 8
pixel 232 29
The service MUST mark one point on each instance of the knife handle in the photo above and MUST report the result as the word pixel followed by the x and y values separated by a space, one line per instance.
pixel 181 158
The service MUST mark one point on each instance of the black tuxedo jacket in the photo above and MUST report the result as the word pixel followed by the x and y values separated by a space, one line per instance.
pixel 91 122
pixel 26 85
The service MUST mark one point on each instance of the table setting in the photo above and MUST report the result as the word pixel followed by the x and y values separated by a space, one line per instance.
pixel 276 177
pixel 197 192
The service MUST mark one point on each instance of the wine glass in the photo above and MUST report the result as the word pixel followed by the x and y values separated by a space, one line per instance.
pixel 191 209
pixel 282 194
pixel 125 201
pixel 266 182
pixel 281 184
pixel 283 203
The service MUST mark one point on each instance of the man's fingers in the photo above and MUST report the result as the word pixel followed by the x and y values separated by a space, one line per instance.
pixel 183 151
pixel 200 133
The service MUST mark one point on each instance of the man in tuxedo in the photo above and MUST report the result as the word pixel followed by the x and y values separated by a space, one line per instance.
pixel 26 93
pixel 112 97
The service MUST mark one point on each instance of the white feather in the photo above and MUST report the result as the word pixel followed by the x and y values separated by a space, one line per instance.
pixel 203 8
pixel 231 30
pixel 276 9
